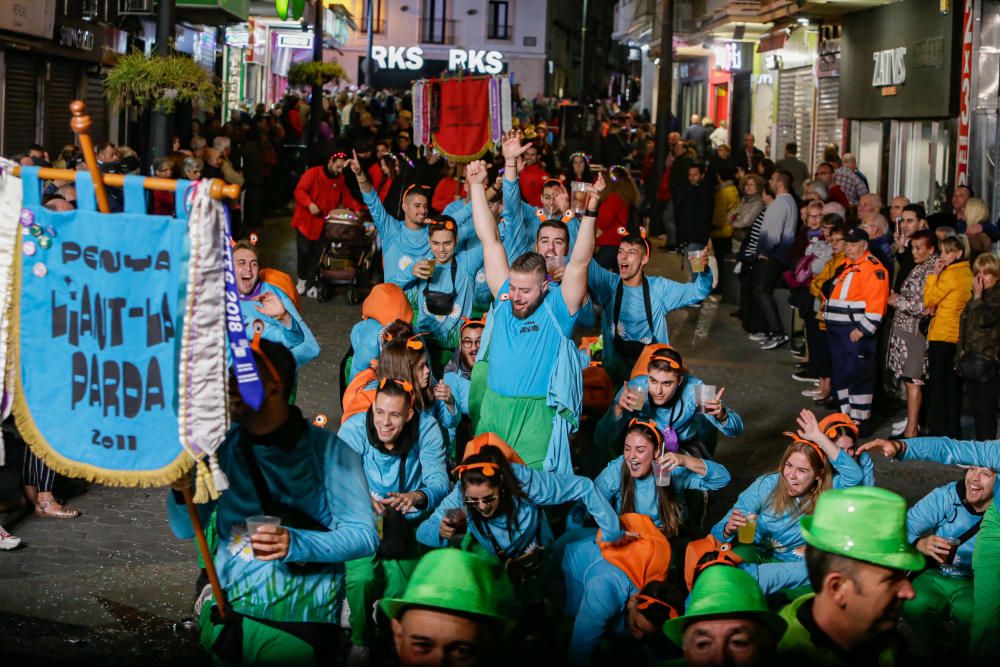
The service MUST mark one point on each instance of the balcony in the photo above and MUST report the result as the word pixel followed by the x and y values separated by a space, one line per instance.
pixel 499 32
pixel 437 31
pixel 378 26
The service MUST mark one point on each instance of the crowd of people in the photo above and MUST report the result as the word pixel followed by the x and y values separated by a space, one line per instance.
pixel 452 517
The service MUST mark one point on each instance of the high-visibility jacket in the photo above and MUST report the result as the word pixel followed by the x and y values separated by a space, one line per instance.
pixel 859 295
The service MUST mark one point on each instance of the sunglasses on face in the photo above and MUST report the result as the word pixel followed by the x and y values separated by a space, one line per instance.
pixel 476 502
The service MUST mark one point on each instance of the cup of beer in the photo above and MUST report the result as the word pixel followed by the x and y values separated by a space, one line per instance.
pixel 703 393
pixel 578 191
pixel 697 260
pixel 255 522
pixel 745 533
pixel 948 566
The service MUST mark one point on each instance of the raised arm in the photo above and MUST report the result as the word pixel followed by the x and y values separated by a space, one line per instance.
pixel 494 255
pixel 363 183
pixel 574 282
pixel 512 151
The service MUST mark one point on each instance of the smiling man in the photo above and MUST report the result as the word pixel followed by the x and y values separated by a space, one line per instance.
pixel 859 560
pixel 635 305
pixel 532 360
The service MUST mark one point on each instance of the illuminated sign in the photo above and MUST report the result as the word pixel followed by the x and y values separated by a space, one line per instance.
pixel 890 67
pixel 412 58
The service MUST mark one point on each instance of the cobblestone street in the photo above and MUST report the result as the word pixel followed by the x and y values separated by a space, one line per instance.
pixel 113 586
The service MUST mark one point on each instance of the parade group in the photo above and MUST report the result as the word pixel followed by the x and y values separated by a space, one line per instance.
pixel 453 516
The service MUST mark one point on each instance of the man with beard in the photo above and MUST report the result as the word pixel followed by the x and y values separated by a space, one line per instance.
pixel 859 561
pixel 943 526
pixel 277 610
pixel 532 363
pixel 267 307
pixel 635 306
pixel 320 190
pixel 405 241
pixel 404 459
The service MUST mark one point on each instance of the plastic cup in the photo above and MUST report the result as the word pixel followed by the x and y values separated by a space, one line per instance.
pixel 640 394
pixel 661 474
pixel 953 544
pixel 555 262
pixel 697 260
pixel 255 522
pixel 746 533
pixel 578 191
pixel 703 393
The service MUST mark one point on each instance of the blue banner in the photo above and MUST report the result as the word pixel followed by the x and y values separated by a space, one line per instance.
pixel 101 305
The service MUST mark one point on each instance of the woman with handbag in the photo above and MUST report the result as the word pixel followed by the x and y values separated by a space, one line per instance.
pixel 403 454
pixel 908 340
pixel 979 346
pixel 947 290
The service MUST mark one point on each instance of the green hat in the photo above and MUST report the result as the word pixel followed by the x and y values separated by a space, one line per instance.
pixel 724 591
pixel 459 581
pixel 865 523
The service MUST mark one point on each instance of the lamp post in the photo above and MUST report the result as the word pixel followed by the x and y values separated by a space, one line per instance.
pixel 159 139
pixel 316 108
pixel 664 99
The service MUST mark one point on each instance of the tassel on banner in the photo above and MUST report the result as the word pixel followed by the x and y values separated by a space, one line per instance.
pixel 219 478
pixel 204 488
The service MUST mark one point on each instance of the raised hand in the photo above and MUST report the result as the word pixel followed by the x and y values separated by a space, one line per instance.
pixel 355 164
pixel 889 448
pixel 475 172
pixel 272 306
pixel 808 426
pixel 511 146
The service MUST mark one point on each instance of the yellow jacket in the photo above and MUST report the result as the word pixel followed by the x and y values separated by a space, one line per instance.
pixel 829 270
pixel 727 198
pixel 948 293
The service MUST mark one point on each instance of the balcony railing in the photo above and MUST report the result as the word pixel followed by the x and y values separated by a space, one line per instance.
pixel 499 31
pixel 378 27
pixel 437 31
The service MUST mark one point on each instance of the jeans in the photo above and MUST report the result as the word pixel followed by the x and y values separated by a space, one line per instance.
pixel 766 274
pixel 943 393
pixel 308 253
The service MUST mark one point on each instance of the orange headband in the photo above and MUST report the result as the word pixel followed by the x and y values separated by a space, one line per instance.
pixel 644 602
pixel 802 441
pixel 489 469
pixel 660 355
pixel 651 425
pixel 406 386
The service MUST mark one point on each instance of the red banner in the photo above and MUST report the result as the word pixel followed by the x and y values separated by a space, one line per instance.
pixel 965 105
pixel 462 129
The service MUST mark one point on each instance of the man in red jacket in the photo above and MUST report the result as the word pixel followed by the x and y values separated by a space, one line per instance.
pixel 320 190
pixel 532 177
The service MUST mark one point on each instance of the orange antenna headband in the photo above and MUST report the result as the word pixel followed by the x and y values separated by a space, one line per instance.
pixel 802 441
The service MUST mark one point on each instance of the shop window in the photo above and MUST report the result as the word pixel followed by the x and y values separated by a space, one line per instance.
pixel 378 17
pixel 435 28
pixel 499 25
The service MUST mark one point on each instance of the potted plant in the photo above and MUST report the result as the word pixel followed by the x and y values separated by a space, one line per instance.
pixel 316 74
pixel 160 82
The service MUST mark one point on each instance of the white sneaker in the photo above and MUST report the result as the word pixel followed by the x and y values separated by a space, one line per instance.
pixel 758 336
pixel 203 597
pixel 900 425
pixel 300 287
pixel 8 541
pixel 812 393
pixel 312 292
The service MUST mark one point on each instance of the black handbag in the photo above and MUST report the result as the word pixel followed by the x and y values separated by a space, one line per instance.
pixel 924 324
pixel 398 539
pixel 977 367
pixel 442 303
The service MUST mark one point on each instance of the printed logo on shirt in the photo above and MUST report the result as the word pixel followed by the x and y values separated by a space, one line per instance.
pixel 239 543
pixel 529 327
pixel 405 262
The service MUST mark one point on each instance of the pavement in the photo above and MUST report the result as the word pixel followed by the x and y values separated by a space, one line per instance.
pixel 114 587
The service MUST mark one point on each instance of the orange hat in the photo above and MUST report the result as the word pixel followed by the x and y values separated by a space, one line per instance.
pixel 831 423
pixel 476 445
pixel 705 552
pixel 387 303
pixel 643 559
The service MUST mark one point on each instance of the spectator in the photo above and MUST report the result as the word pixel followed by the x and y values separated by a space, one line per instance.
pixel 533 176
pixel 851 162
pixel 777 235
pixel 225 147
pixel 749 154
pixel 727 198
pixel 163 200
pixel 191 169
pixel 908 341
pixel 750 315
pixel 719 135
pixel 869 204
pixel 947 290
pixel 977 213
pixel 694 210
pixel 794 166
pixel 979 346
pixel 849 182
pixel 896 207
pixel 695 135
pixel 618 202
pixel 911 219
pixel 834 192
pixel 820 362
pixel 877 228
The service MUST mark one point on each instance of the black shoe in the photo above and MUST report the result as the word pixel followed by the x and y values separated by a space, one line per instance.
pixel 774 342
pixel 805 376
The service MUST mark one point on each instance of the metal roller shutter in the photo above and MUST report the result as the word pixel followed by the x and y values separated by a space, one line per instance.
pixel 20 103
pixel 829 127
pixel 795 109
pixel 94 97
pixel 60 89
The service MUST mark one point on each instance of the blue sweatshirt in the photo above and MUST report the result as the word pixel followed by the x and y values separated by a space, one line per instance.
pixel 540 489
pixel 444 329
pixel 401 246
pixel 609 485
pixel 320 476
pixel 942 512
pixel 981 453
pixel 297 337
pixel 366 341
pixel 425 462
pixel 596 594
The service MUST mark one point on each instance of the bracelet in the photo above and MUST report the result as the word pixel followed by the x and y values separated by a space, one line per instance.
pixel 510 165
pixel 590 213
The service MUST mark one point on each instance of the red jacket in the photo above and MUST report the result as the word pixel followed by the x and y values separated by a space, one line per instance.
pixel 532 179
pixel 375 175
pixel 316 187
pixel 445 192
pixel 612 214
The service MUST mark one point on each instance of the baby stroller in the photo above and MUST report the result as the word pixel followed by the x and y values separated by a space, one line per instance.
pixel 348 256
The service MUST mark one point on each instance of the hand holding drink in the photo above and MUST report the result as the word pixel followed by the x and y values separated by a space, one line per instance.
pixel 744 525
pixel 698 260
pixel 706 399
pixel 268 540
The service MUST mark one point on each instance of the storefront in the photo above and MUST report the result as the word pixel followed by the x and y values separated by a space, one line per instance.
pixel 789 54
pixel 899 84
pixel 691 78
pixel 981 137
pixel 729 87
pixel 829 125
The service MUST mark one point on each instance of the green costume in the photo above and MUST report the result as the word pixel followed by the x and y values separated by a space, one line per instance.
pixel 367 579
pixel 938 597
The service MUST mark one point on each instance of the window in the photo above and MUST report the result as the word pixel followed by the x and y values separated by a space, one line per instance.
pixel 378 17
pixel 498 27
pixel 435 28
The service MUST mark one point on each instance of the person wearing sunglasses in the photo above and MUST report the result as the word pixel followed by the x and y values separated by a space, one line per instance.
pixel 279 465
pixel 320 190
pixel 404 460
pixel 532 367
pixel 267 307
pixel 628 482
pixel 666 394
pixel 444 292
pixel 773 552
pixel 619 592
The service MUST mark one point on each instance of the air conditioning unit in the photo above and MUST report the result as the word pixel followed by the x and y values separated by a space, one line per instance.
pixel 135 7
